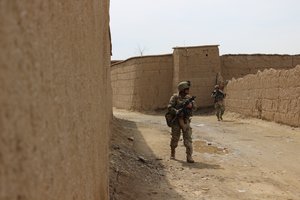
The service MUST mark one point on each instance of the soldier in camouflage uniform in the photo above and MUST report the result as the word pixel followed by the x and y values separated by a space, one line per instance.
pixel 219 96
pixel 182 123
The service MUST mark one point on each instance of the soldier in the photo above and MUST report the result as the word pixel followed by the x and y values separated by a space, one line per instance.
pixel 219 96
pixel 182 122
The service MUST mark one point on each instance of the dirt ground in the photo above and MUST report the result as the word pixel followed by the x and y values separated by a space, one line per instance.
pixel 239 158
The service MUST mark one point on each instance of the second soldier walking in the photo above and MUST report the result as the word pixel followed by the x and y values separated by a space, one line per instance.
pixel 219 95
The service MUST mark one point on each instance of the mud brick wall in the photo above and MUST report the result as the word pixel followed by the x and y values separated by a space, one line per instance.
pixel 55 99
pixel 272 95
pixel 200 65
pixel 236 66
pixel 142 83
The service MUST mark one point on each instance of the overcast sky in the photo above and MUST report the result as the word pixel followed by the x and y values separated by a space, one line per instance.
pixel 238 26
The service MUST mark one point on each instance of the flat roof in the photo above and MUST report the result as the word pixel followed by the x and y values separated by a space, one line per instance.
pixel 202 46
pixel 140 57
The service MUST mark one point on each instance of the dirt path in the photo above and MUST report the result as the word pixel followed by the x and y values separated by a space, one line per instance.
pixel 235 159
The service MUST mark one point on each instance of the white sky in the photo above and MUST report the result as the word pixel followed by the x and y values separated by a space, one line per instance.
pixel 238 26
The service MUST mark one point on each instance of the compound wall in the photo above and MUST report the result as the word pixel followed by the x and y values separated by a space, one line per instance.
pixel 142 83
pixel 55 102
pixel 236 66
pixel 272 95
pixel 200 65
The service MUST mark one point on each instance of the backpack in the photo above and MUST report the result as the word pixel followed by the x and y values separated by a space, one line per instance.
pixel 169 119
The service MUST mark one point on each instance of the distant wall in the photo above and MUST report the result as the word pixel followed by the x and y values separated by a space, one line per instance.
pixel 146 83
pixel 272 95
pixel 55 99
pixel 142 83
pixel 236 66
pixel 200 65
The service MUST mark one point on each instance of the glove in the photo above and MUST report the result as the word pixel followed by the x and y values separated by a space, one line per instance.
pixel 190 105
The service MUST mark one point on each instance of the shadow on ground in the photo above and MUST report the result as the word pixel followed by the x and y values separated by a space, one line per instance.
pixel 135 171
pixel 199 165
pixel 132 175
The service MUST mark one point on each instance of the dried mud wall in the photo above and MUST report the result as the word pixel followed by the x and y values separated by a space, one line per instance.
pixel 142 83
pixel 272 95
pixel 200 65
pixel 55 102
pixel 236 66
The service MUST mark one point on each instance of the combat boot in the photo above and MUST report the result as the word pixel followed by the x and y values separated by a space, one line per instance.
pixel 189 159
pixel 172 153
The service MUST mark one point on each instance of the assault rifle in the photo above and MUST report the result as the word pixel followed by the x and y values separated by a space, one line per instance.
pixel 183 108
pixel 218 95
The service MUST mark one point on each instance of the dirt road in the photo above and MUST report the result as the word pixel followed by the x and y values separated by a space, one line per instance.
pixel 235 159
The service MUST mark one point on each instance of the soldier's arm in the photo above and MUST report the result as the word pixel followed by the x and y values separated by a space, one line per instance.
pixel 171 106
pixel 213 94
pixel 222 93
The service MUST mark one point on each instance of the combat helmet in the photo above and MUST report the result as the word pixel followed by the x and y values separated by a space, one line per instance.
pixel 183 85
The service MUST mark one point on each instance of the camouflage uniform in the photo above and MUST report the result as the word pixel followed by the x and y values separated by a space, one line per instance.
pixel 219 96
pixel 182 123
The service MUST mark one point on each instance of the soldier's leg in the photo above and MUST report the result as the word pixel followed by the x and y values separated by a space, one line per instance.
pixel 188 143
pixel 175 136
pixel 222 110
pixel 217 107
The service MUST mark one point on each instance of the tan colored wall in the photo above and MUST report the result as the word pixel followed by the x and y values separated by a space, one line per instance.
pixel 272 95
pixel 236 66
pixel 200 65
pixel 142 83
pixel 55 99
